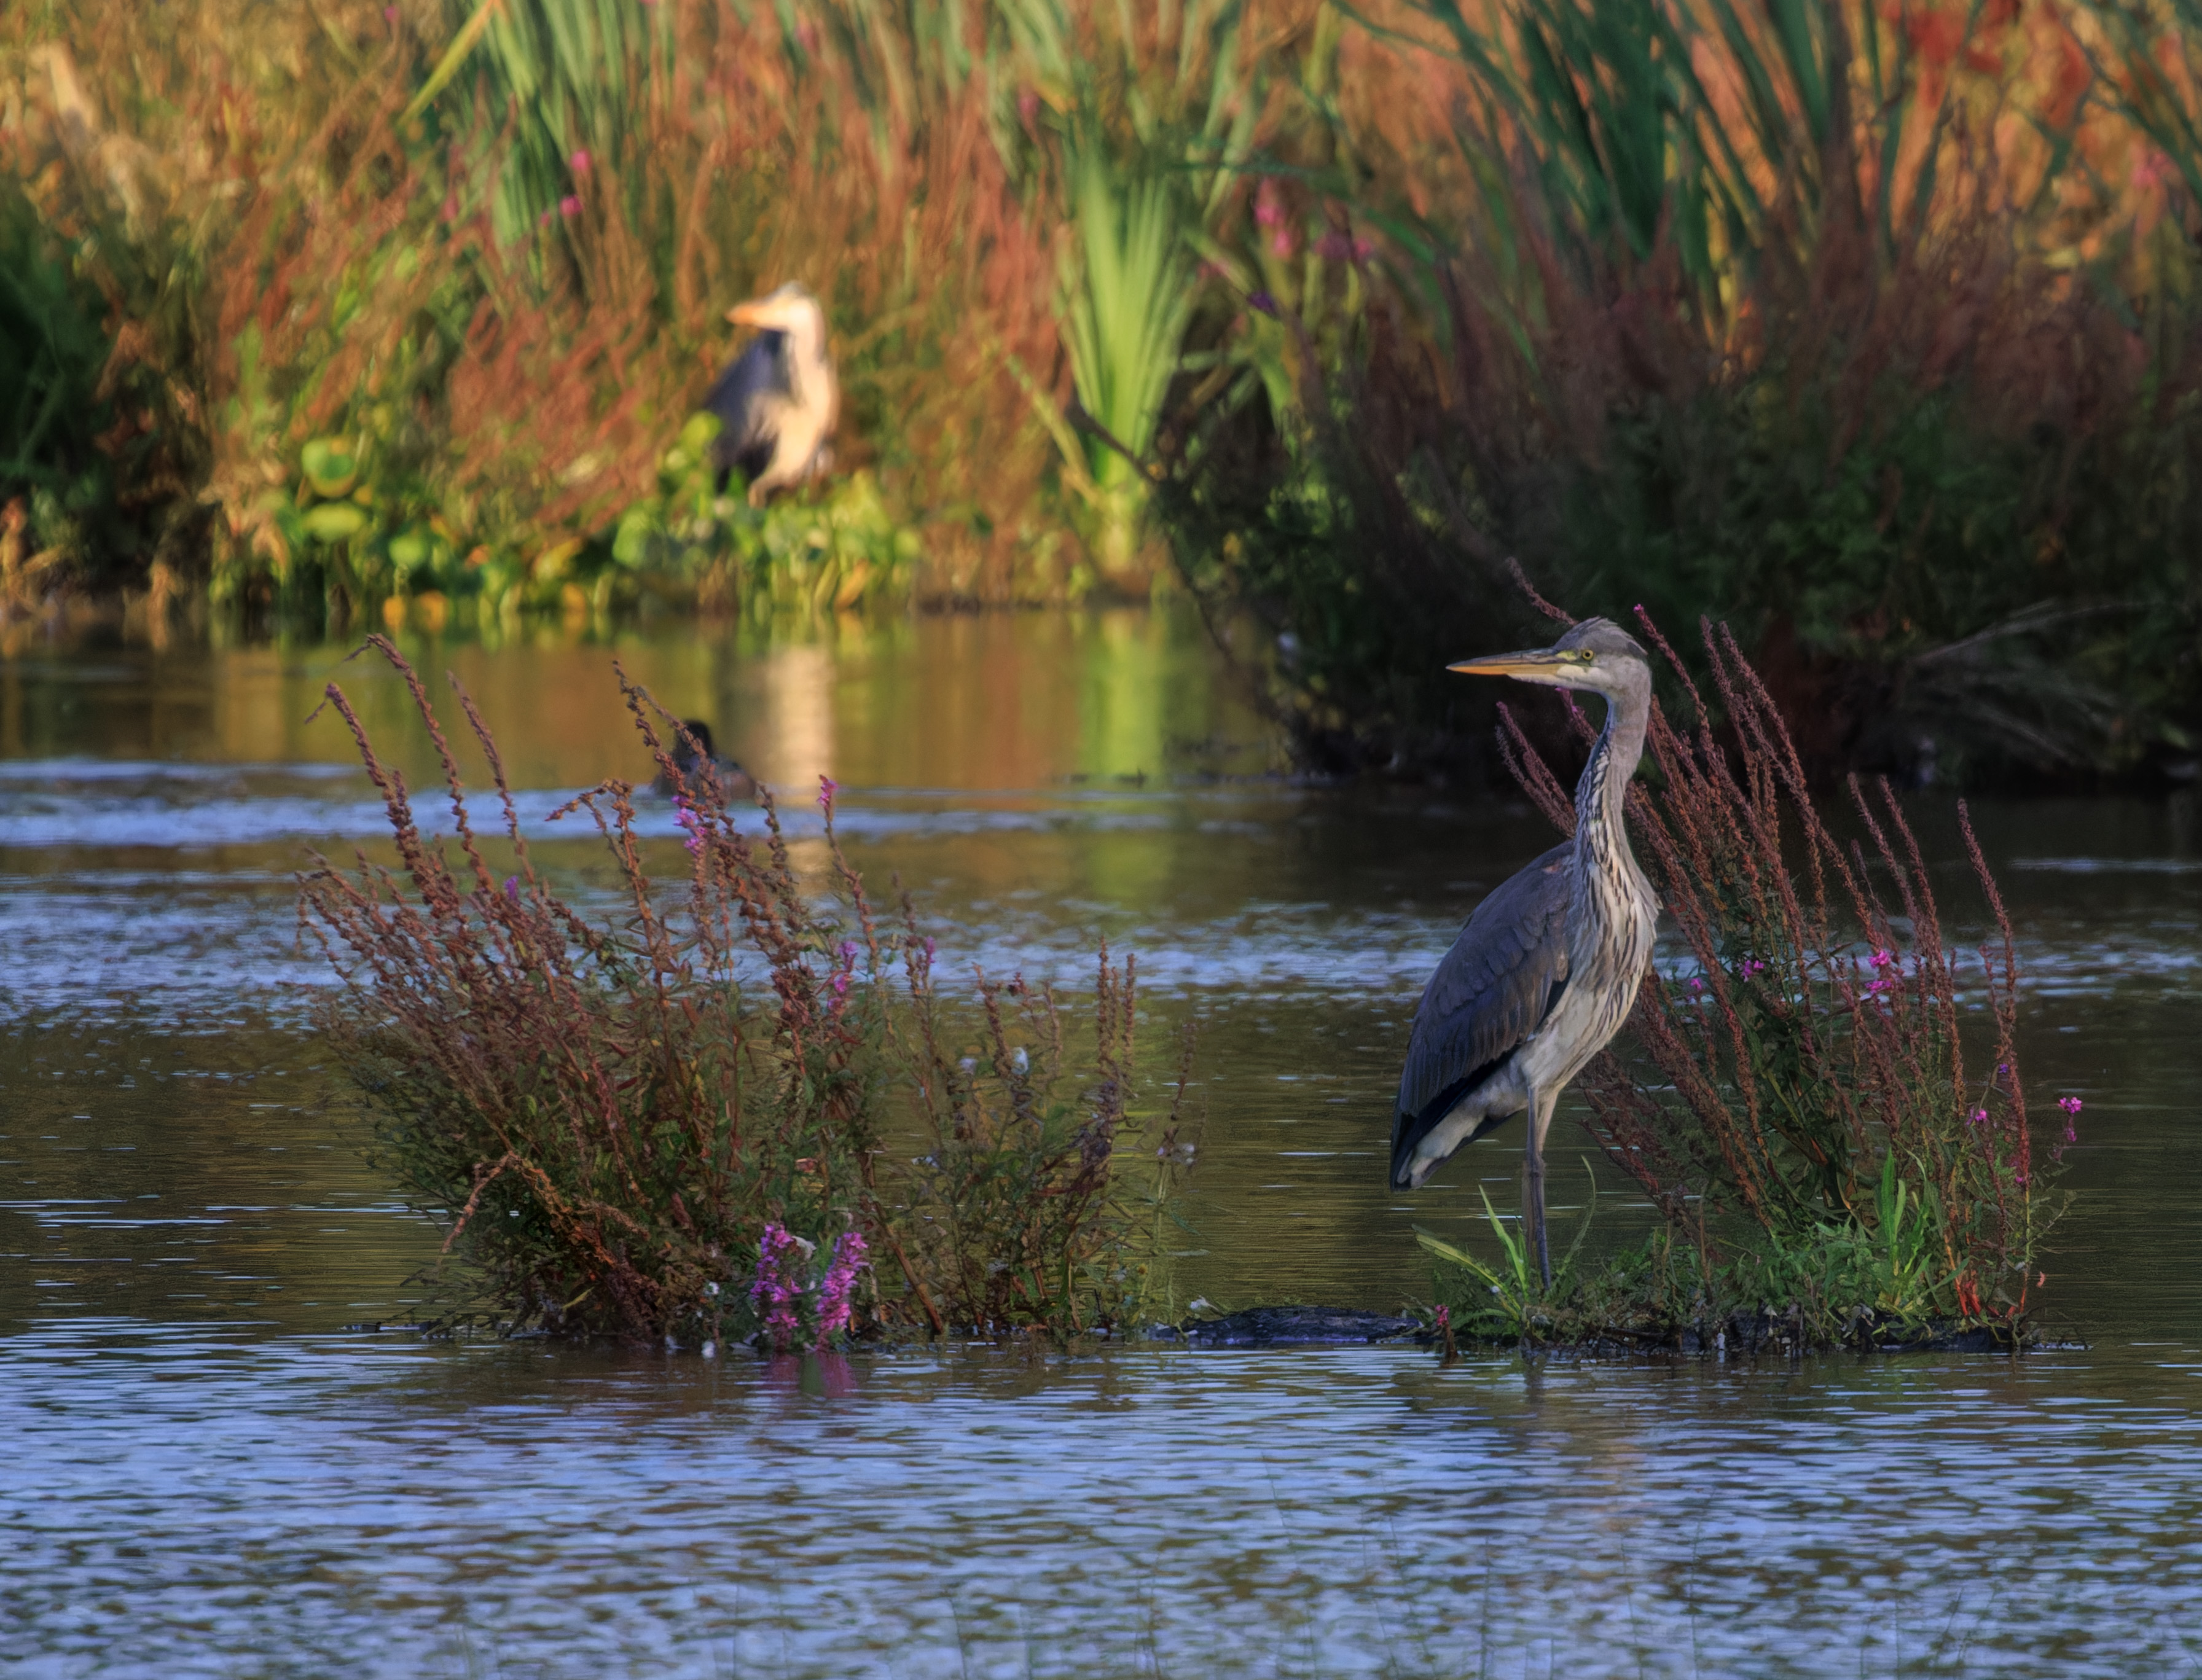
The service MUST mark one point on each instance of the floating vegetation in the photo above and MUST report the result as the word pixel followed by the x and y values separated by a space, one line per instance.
pixel 740 1111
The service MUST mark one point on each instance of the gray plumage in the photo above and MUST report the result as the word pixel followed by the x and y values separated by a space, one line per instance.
pixel 738 397
pixel 1545 970
pixel 1494 989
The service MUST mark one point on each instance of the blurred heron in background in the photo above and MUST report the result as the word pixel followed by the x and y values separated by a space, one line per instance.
pixel 1547 968
pixel 778 400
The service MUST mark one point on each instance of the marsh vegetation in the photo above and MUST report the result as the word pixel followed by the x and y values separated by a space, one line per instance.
pixel 1872 332
pixel 744 1109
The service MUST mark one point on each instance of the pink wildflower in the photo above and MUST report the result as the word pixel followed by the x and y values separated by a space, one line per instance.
pixel 777 1290
pixel 1268 209
pixel 687 816
pixel 827 787
pixel 580 162
pixel 834 1289
pixel 569 206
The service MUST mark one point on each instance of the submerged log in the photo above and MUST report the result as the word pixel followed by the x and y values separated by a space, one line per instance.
pixel 1292 1327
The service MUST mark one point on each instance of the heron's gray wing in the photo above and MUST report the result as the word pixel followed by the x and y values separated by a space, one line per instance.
pixel 1494 989
pixel 738 398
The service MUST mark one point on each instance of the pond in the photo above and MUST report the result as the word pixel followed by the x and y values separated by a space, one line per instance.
pixel 218 1473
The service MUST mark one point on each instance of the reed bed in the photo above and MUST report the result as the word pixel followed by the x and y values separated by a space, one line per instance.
pixel 1872 332
pixel 744 1109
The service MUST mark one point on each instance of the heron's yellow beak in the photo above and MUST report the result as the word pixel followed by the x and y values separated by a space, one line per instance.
pixel 751 313
pixel 1533 663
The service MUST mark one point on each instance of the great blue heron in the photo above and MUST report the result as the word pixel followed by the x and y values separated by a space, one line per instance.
pixel 693 752
pixel 1547 968
pixel 778 400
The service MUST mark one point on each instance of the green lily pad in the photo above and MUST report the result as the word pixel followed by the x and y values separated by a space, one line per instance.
pixel 334 521
pixel 331 466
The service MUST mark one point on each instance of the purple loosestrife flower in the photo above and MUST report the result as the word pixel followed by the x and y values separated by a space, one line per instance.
pixel 580 162
pixel 827 787
pixel 778 1291
pixel 512 888
pixel 690 820
pixel 569 206
pixel 2071 1106
pixel 833 1313
pixel 1885 970
pixel 1262 301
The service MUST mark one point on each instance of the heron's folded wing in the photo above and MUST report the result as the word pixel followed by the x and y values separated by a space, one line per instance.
pixel 1492 990
pixel 742 398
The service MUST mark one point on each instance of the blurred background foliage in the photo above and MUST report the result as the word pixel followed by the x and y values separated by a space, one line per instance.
pixel 1871 328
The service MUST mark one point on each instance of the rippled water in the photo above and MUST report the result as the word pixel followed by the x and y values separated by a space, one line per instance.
pixel 212 1476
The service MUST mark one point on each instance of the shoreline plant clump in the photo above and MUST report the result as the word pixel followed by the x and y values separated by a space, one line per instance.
pixel 1830 1162
pixel 739 1112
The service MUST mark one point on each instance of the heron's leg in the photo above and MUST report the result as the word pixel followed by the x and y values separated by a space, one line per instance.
pixel 1541 1104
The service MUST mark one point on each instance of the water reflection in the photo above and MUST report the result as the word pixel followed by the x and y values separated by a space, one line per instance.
pixel 185 1219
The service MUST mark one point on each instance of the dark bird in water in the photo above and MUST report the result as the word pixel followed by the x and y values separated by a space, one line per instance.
pixel 777 401
pixel 1546 969
pixel 693 752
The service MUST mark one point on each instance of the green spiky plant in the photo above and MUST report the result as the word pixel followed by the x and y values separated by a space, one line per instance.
pixel 1126 300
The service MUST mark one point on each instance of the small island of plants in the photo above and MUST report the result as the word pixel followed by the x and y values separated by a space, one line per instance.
pixel 745 1110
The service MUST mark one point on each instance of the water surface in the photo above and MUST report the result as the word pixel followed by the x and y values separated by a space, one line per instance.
pixel 214 1476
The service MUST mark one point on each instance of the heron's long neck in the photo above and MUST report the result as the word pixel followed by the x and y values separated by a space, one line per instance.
pixel 1601 795
pixel 806 361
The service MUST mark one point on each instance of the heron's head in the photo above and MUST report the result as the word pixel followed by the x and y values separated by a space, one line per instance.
pixel 1597 654
pixel 790 309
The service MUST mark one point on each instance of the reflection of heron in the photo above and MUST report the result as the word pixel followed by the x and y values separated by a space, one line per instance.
pixel 692 753
pixel 1546 969
pixel 778 400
